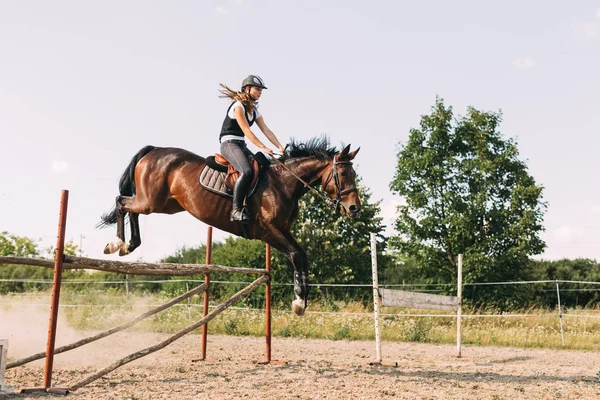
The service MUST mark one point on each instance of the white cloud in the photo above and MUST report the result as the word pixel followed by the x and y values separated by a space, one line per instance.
pixel 523 63
pixel 60 166
pixel 586 30
pixel 221 10
pixel 598 13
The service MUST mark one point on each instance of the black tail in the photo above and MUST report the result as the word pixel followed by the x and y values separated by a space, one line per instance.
pixel 126 186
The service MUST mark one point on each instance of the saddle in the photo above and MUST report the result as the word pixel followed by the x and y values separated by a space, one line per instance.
pixel 219 175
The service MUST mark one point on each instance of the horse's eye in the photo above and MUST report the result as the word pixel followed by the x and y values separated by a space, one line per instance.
pixel 344 173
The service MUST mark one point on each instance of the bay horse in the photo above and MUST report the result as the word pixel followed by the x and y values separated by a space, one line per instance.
pixel 165 180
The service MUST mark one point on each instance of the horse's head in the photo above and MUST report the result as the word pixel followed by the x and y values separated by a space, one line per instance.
pixel 340 181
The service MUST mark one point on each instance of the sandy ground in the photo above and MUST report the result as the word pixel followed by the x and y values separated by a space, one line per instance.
pixel 315 369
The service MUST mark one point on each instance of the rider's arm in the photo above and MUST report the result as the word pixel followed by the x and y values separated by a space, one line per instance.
pixel 269 133
pixel 241 120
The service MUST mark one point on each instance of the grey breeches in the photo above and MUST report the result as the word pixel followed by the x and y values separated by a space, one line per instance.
pixel 236 152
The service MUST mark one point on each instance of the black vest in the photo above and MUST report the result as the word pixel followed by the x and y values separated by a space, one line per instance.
pixel 231 126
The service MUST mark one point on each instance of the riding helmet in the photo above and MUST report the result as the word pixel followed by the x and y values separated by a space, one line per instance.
pixel 253 80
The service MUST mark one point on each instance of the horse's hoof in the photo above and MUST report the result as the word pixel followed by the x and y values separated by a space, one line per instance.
pixel 124 251
pixel 107 249
pixel 113 246
pixel 298 307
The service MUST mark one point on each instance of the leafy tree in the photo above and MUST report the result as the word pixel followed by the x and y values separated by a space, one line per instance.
pixel 467 191
pixel 17 246
pixel 571 294
pixel 338 248
pixel 20 246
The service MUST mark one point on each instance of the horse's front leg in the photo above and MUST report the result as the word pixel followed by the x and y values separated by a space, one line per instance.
pixel 284 242
pixel 300 261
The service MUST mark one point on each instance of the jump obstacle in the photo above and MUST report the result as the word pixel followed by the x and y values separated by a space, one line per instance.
pixel 63 261
pixel 402 298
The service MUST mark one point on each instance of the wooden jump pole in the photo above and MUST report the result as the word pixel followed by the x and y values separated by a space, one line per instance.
pixel 207 283
pixel 109 332
pixel 58 264
pixel 244 292
pixel 133 268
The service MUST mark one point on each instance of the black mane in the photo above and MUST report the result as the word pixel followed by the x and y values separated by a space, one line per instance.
pixel 316 147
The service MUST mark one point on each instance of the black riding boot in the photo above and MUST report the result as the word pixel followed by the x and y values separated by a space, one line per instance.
pixel 239 212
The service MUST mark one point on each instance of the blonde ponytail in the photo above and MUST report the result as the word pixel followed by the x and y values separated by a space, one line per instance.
pixel 242 97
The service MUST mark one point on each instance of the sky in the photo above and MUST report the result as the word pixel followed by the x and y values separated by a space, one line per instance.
pixel 85 85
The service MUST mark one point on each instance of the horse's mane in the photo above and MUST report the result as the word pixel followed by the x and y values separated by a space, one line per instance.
pixel 316 147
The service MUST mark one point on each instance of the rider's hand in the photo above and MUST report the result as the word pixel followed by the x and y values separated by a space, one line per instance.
pixel 281 150
pixel 268 151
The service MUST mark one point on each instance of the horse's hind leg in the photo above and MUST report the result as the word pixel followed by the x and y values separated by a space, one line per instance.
pixel 136 239
pixel 119 242
pixel 142 204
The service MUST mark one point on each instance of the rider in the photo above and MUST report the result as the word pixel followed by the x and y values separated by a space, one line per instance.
pixel 241 115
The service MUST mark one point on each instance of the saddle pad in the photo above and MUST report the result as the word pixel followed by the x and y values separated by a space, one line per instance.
pixel 214 181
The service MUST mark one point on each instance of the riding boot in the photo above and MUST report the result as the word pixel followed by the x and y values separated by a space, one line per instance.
pixel 239 212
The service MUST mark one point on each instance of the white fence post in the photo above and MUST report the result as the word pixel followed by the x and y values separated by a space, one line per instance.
pixel 375 298
pixel 459 309
pixel 4 388
pixel 562 332
pixel 189 303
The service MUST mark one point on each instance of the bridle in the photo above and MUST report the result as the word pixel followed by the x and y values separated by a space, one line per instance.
pixel 333 204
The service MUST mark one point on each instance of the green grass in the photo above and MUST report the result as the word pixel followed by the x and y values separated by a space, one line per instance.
pixel 539 329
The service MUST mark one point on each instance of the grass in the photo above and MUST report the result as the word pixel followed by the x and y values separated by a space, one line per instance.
pixel 538 329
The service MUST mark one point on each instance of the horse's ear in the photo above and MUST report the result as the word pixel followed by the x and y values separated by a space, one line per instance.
pixel 353 154
pixel 345 151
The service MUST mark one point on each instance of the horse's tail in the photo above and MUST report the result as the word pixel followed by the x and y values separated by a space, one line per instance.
pixel 126 186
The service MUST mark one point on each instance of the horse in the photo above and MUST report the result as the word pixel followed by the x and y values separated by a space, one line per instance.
pixel 165 180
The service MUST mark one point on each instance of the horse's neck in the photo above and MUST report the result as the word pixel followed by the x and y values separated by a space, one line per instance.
pixel 309 169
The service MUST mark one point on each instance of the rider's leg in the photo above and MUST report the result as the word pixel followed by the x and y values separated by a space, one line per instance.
pixel 237 154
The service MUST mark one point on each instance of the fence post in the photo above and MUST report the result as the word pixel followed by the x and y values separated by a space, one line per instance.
pixel 562 333
pixel 189 306
pixel 58 263
pixel 459 309
pixel 268 304
pixel 205 297
pixel 127 285
pixel 3 356
pixel 375 298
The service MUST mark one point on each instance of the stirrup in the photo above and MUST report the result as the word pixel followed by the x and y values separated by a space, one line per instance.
pixel 239 215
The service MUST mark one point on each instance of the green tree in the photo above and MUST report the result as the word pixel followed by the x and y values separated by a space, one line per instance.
pixel 571 294
pixel 21 246
pixel 338 248
pixel 17 246
pixel 467 191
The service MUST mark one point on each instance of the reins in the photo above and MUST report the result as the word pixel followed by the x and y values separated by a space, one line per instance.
pixel 333 204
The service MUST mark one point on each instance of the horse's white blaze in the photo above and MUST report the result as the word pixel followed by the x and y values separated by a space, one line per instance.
pixel 114 246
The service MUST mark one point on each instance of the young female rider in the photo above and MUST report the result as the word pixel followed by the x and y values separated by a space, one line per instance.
pixel 241 115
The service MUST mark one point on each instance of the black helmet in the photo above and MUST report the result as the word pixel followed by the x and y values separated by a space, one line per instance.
pixel 253 80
